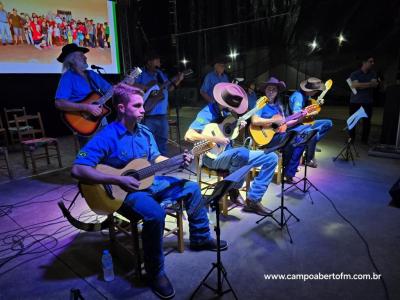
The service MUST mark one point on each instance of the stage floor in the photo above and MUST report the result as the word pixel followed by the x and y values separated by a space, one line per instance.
pixel 43 256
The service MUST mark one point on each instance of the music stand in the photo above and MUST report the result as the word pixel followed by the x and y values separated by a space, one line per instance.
pixel 306 138
pixel 347 151
pixel 220 190
pixel 282 222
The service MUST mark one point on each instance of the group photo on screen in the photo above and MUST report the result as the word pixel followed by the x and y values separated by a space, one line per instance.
pixel 32 33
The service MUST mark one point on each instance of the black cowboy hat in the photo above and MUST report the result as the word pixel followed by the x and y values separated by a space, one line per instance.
pixel 68 49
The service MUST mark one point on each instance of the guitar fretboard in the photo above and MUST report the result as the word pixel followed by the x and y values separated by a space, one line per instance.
pixel 151 170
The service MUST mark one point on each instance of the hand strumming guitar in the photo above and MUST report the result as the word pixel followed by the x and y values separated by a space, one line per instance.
pixel 94 109
pixel 128 183
pixel 187 158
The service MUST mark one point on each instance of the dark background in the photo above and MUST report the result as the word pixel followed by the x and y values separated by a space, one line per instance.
pixel 266 33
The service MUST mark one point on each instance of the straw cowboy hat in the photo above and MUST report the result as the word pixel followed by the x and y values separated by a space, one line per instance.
pixel 312 84
pixel 231 96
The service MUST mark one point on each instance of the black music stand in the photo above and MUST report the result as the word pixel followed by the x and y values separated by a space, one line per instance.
pixel 306 138
pixel 220 190
pixel 282 222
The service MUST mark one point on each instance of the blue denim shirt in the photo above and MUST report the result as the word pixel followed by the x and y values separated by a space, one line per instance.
pixel 210 81
pixel 144 78
pixel 297 101
pixel 3 16
pixel 74 87
pixel 269 110
pixel 115 146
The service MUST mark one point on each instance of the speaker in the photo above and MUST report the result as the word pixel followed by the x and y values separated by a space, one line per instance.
pixel 395 193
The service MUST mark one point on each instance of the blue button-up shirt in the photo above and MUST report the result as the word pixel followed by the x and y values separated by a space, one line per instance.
pixel 269 110
pixel 116 146
pixel 209 114
pixel 74 87
pixel 210 81
pixel 3 17
pixel 297 101
pixel 252 100
pixel 145 77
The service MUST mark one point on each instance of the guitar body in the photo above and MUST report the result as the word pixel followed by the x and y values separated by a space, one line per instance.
pixel 84 123
pixel 101 201
pixel 214 129
pixel 311 119
pixel 261 136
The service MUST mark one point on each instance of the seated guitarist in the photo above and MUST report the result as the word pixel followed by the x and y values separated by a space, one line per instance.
pixel 272 115
pixel 116 145
pixel 232 99
pixel 157 119
pixel 300 99
pixel 77 82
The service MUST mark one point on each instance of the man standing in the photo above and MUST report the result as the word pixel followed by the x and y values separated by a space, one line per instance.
pixel 5 32
pixel 212 78
pixel 123 141
pixel 157 119
pixel 16 23
pixel 364 81
pixel 77 82
pixel 300 99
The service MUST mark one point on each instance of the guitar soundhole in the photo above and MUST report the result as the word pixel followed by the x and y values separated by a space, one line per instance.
pixel 228 130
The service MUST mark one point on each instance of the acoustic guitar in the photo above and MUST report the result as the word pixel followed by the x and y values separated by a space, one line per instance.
pixel 155 92
pixel 229 127
pixel 319 101
pixel 86 124
pixel 106 199
pixel 263 136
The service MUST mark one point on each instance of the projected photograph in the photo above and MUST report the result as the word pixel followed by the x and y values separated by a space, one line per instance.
pixel 37 30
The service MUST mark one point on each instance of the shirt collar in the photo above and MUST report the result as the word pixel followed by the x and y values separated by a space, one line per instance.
pixel 121 129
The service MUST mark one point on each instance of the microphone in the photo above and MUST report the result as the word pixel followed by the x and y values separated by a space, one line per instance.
pixel 94 67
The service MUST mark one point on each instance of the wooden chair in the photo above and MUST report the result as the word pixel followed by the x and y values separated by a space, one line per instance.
pixel 10 122
pixel 219 174
pixel 3 133
pixel 125 236
pixel 4 157
pixel 33 138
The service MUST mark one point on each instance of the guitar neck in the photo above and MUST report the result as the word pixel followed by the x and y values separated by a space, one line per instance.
pixel 103 99
pixel 151 170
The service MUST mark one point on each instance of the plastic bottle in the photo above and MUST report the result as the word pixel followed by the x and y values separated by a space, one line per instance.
pixel 108 268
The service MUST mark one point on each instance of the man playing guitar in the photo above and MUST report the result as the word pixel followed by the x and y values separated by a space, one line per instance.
pixel 231 98
pixel 121 142
pixel 273 116
pixel 157 119
pixel 76 83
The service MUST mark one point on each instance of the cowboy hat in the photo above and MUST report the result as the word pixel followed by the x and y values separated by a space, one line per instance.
pixel 231 96
pixel 68 49
pixel 273 81
pixel 312 84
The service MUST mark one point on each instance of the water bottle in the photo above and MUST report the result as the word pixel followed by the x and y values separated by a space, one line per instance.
pixel 108 268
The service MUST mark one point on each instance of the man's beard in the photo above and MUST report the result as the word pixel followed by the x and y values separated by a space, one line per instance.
pixel 82 66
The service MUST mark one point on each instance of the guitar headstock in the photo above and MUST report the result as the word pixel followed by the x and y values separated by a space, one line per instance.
pixel 202 147
pixel 261 102
pixel 328 84
pixel 132 75
pixel 187 72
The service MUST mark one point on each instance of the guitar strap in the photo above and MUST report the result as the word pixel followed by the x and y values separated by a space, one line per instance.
pixel 93 84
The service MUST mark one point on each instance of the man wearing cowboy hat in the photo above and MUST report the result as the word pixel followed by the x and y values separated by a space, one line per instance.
pixel 232 99
pixel 273 114
pixel 212 78
pixel 297 101
pixel 77 82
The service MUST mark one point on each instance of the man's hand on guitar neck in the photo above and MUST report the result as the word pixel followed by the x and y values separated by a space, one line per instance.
pixel 93 109
pixel 187 158
pixel 128 183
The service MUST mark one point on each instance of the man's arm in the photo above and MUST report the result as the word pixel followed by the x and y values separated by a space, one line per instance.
pixel 66 105
pixel 194 136
pixel 364 85
pixel 90 175
pixel 263 122
pixel 205 96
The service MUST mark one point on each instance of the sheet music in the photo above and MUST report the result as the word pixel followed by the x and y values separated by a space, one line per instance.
pixel 348 80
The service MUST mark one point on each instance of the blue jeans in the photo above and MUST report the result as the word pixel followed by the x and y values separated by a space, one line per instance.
pixel 149 205
pixel 5 32
pixel 234 159
pixel 158 125
pixel 323 126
